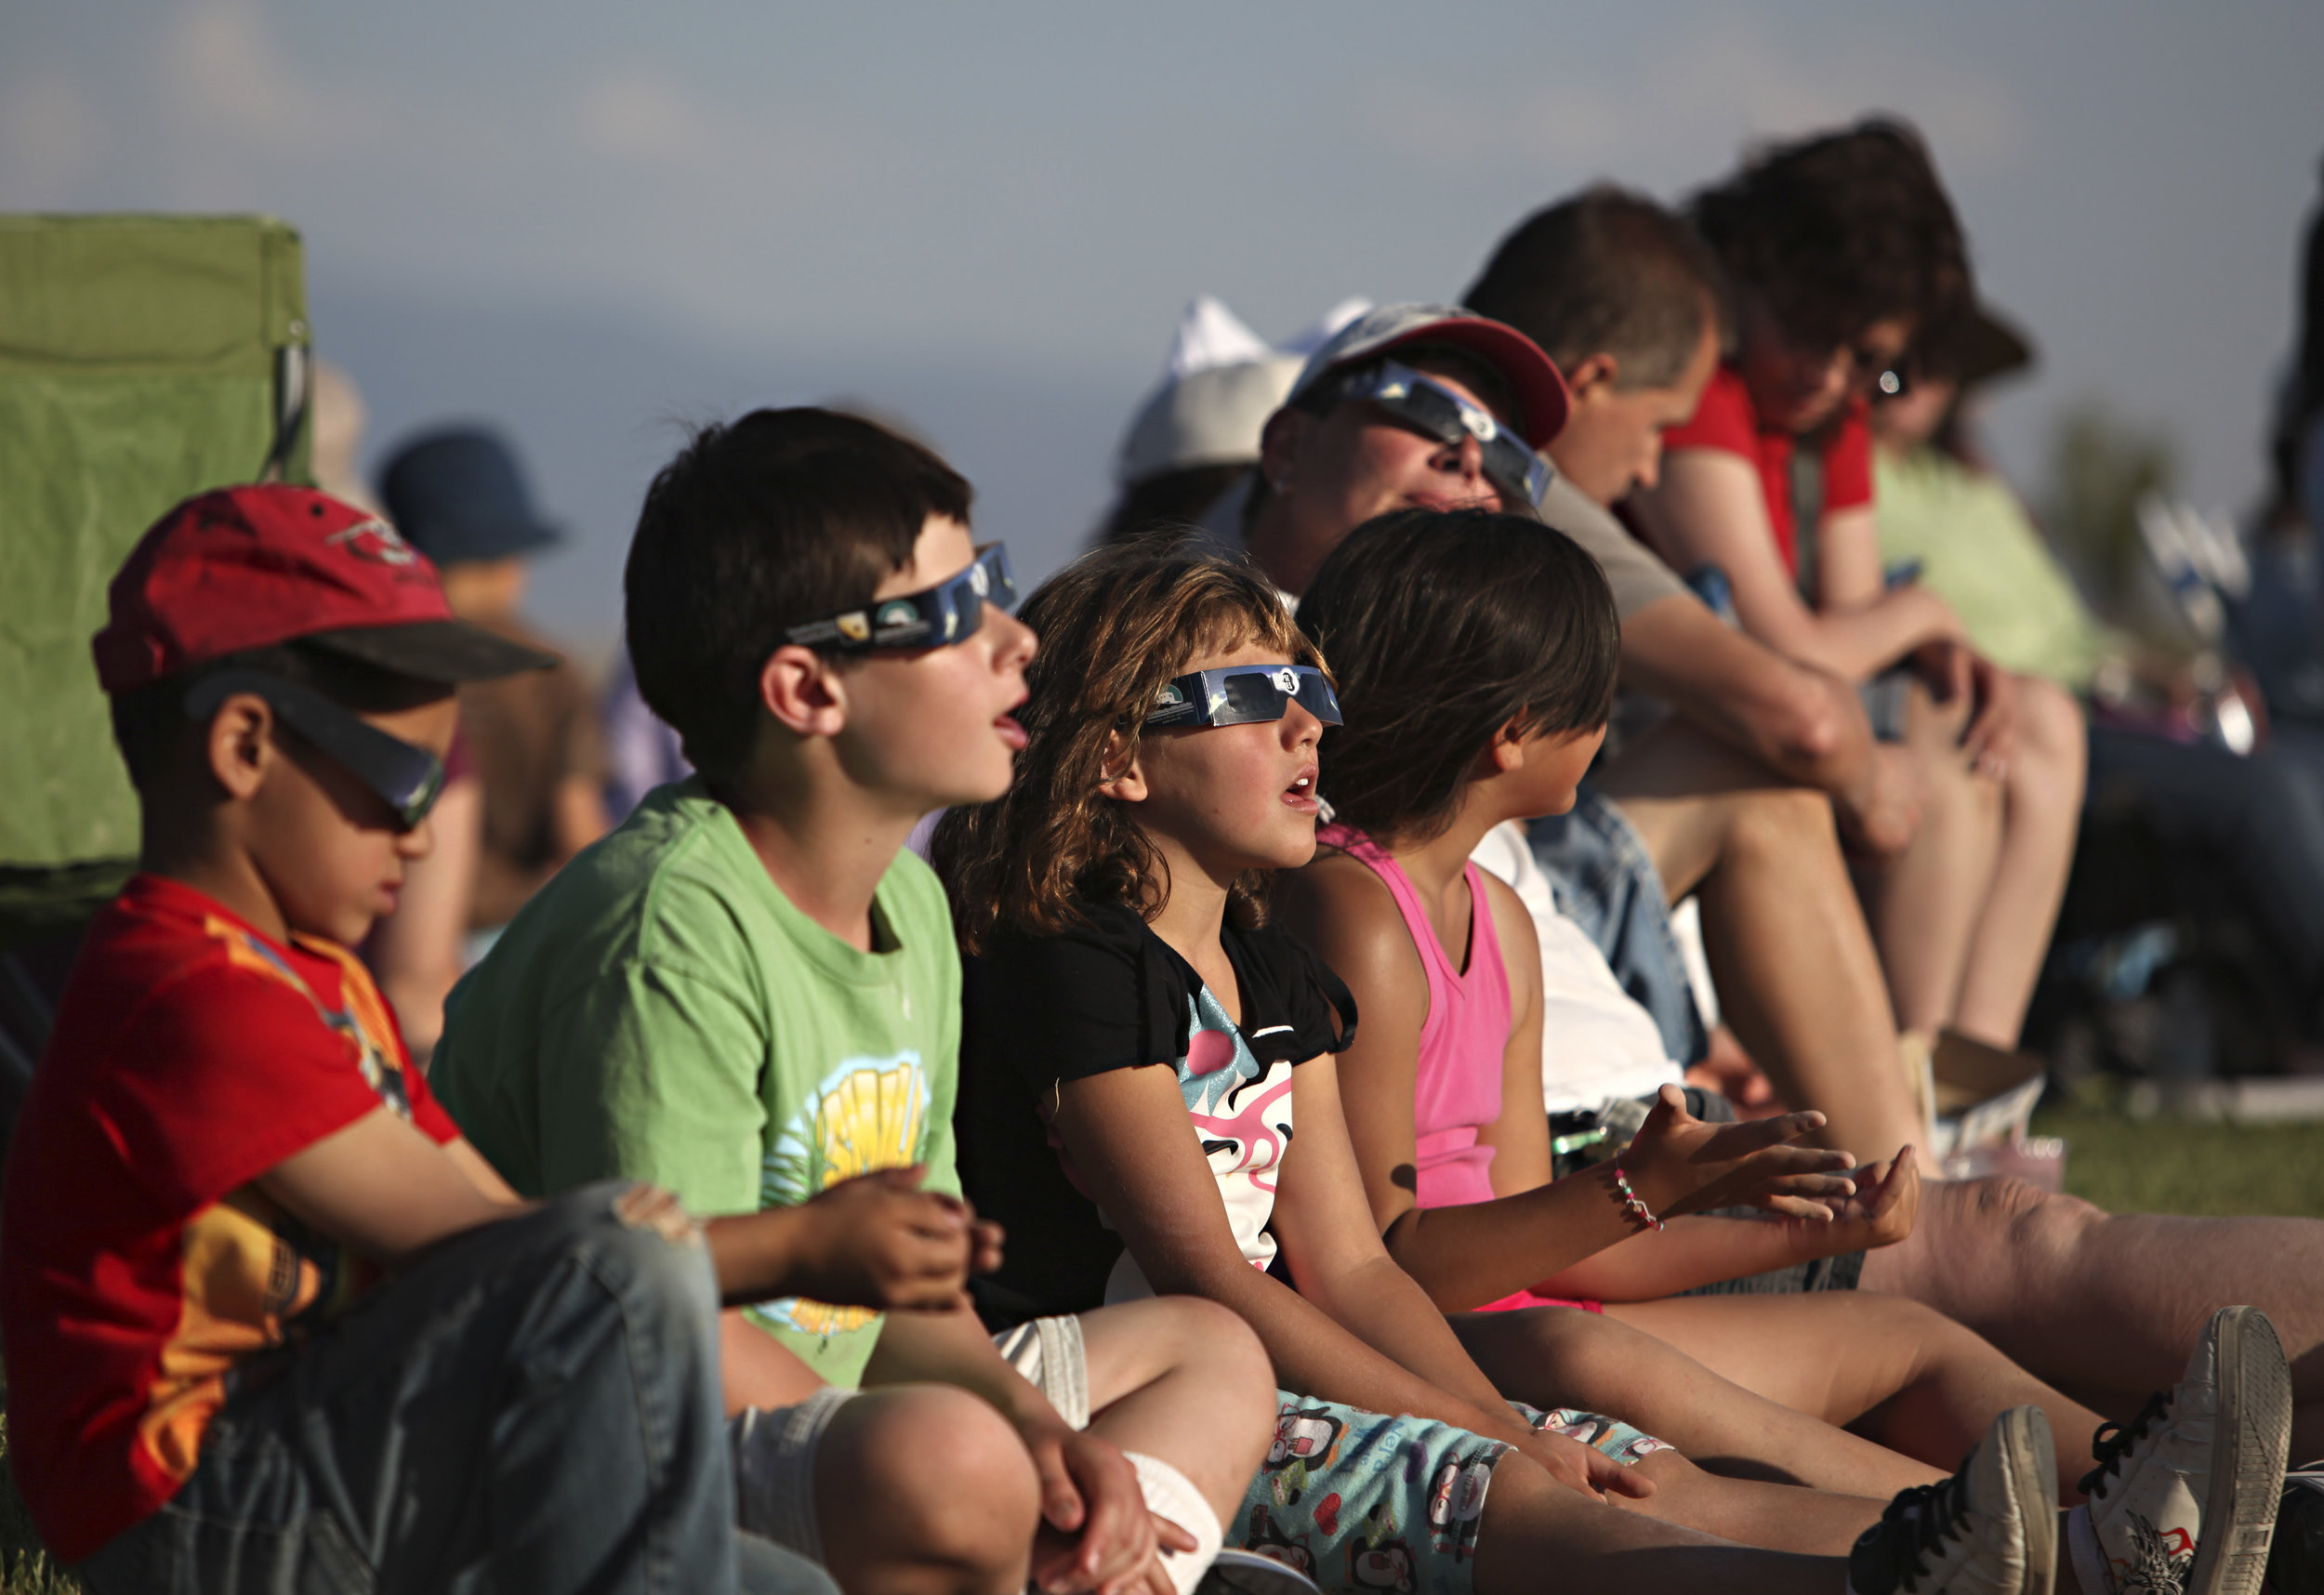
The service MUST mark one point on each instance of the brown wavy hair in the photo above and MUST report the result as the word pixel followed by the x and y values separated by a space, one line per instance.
pixel 1115 626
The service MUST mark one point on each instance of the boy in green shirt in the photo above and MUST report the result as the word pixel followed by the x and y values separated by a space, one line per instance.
pixel 750 990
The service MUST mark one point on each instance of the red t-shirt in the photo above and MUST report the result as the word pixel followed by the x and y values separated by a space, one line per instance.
pixel 190 1055
pixel 1727 420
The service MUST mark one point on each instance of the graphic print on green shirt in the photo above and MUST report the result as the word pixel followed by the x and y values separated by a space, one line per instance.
pixel 661 1011
pixel 869 1113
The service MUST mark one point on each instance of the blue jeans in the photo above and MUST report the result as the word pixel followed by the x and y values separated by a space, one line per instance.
pixel 1607 884
pixel 534 1407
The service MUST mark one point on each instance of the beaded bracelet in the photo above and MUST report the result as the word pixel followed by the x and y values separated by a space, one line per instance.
pixel 1638 1210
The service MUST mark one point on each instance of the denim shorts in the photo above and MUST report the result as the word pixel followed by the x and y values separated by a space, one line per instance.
pixel 1606 883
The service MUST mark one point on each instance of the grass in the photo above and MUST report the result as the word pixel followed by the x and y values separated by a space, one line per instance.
pixel 2166 1165
pixel 25 1568
pixel 2125 1164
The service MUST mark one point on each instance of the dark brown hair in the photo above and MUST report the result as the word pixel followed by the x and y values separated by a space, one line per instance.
pixel 1606 272
pixel 1445 627
pixel 784 517
pixel 1841 230
pixel 1115 626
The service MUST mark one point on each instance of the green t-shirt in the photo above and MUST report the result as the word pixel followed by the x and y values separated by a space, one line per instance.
pixel 1981 553
pixel 661 1011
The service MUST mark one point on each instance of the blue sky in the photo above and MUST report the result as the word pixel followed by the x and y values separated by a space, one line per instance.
pixel 591 221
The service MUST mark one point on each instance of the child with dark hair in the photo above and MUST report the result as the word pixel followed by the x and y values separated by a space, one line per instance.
pixel 1149 1091
pixel 1844 256
pixel 749 992
pixel 270 1323
pixel 1443 1087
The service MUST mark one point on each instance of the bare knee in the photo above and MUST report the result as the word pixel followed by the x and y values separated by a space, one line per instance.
pixel 924 1487
pixel 1141 1343
pixel 1789 819
pixel 2053 747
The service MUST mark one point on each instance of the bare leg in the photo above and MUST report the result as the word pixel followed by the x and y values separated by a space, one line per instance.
pixel 1183 1379
pixel 1536 1532
pixel 1897 1372
pixel 925 1490
pixel 1797 977
pixel 2108 1304
pixel 1925 903
pixel 1561 1356
pixel 1752 1511
pixel 2042 801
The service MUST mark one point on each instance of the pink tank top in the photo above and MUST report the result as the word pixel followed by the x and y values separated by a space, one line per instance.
pixel 1457 1089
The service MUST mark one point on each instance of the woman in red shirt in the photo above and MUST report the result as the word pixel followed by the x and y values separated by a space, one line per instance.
pixel 1843 251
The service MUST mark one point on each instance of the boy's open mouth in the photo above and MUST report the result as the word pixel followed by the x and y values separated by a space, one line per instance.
pixel 1300 794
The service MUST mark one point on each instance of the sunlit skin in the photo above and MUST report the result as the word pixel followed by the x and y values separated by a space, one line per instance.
pixel 1799 389
pixel 934 725
pixel 307 847
pixel 853 751
pixel 1332 472
pixel 1612 441
pixel 1219 800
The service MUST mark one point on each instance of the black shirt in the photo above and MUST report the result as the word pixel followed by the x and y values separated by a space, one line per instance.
pixel 1042 1009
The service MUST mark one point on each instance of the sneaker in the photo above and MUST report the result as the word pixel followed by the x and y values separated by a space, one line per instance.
pixel 1249 1572
pixel 1991 1529
pixel 2296 1562
pixel 2185 1495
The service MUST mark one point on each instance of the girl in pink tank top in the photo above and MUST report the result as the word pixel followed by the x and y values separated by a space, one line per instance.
pixel 1457 1081
pixel 1476 682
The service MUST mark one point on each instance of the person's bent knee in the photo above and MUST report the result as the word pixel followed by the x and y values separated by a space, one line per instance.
pixel 929 1475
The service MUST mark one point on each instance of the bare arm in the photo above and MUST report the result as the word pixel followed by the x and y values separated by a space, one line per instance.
pixel 1468 1255
pixel 1707 509
pixel 384 1190
pixel 416 951
pixel 1462 1256
pixel 1357 1329
pixel 1795 719
pixel 1701 1250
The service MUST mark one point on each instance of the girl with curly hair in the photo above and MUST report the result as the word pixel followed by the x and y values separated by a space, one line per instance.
pixel 1149 1102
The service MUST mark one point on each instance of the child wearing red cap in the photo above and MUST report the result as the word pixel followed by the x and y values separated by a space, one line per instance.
pixel 226 1152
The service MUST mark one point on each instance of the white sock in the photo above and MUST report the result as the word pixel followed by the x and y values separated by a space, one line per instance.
pixel 1173 1495
pixel 2090 1558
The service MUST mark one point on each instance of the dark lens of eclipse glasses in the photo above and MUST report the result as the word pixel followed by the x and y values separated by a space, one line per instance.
pixel 406 777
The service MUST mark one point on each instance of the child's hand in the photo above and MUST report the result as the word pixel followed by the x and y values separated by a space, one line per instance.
pixel 880 1241
pixel 1679 1164
pixel 1886 1203
pixel 1584 1469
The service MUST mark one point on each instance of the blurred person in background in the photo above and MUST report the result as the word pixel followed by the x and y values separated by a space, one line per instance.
pixel 1197 436
pixel 2254 821
pixel 414 952
pixel 1734 794
pixel 458 496
pixel 1844 252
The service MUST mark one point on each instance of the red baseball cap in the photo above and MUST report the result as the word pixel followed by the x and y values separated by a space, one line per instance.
pixel 1533 377
pixel 249 567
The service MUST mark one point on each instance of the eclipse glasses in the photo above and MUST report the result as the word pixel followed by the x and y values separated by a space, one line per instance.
pixel 406 777
pixel 1434 409
pixel 1241 693
pixel 949 611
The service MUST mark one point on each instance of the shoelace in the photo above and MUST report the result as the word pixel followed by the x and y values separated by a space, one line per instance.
pixel 1919 1520
pixel 2114 1441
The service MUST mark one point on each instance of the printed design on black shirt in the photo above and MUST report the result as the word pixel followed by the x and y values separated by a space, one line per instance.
pixel 1241 1110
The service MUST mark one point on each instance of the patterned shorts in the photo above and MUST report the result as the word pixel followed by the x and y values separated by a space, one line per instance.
pixel 1359 1501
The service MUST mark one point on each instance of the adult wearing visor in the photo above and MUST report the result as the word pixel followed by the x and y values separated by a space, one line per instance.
pixel 1426 406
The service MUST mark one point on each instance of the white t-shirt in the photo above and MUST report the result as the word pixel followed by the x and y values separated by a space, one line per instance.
pixel 1596 1042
